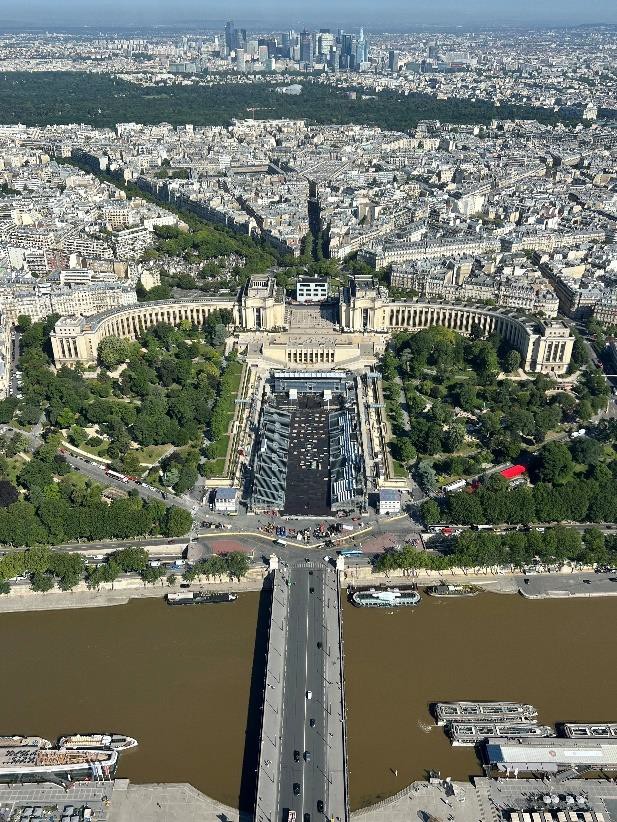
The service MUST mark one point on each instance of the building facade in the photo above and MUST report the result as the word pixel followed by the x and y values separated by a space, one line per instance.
pixel 545 347
pixel 76 339
pixel 364 307
pixel 311 290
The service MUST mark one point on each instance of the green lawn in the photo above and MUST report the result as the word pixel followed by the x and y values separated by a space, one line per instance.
pixel 220 446
pixel 99 451
pixel 150 454
pixel 398 469
pixel 77 479
pixel 216 467
pixel 235 370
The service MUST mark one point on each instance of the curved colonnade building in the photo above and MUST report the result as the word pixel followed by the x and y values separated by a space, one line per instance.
pixel 545 346
pixel 364 307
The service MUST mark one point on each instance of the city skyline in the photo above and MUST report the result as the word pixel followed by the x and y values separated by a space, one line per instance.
pixel 391 13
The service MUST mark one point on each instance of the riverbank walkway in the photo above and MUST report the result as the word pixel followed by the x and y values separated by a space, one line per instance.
pixel 481 799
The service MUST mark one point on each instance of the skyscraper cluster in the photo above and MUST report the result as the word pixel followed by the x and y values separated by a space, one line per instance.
pixel 322 48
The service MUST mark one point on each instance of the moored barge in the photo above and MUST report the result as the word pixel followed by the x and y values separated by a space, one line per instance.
pixel 199 598
pixel 491 711
pixel 470 733
pixel 385 598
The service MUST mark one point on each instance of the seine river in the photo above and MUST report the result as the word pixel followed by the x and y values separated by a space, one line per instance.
pixel 179 679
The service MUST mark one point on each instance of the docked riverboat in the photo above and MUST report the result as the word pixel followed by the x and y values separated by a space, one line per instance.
pixel 470 733
pixel 490 711
pixel 596 730
pixel 31 761
pixel 446 589
pixel 24 741
pixel 385 598
pixel 114 742
pixel 200 598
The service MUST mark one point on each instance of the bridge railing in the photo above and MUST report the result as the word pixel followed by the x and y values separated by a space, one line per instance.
pixel 343 705
pixel 266 799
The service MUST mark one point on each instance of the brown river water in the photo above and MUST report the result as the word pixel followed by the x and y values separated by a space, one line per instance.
pixel 179 679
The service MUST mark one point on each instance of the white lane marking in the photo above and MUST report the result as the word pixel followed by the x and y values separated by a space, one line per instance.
pixel 305 690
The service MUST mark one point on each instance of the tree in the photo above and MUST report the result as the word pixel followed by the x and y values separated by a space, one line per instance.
pixel 585 410
pixel 30 413
pixel 65 418
pixel 132 464
pixel 477 332
pixel 453 438
pixel 41 582
pixel 404 450
pixel 467 397
pixel 112 351
pixel 77 435
pixel 595 546
pixel 512 361
pixel 171 475
pixel 426 477
pixel 131 559
pixel 430 512
pixel 187 478
pixel 8 493
pixel 69 568
pixel 5 586
pixel 171 580
pixel 465 509
pixel 38 559
pixel 177 522
pixel 237 564
pixel 7 409
pixel 587 451
pixel 152 575
pixel 555 463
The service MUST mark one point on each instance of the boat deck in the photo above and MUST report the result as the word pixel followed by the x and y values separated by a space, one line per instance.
pixel 485 711
pixel 34 756
pixel 24 742
pixel 468 733
pixel 598 730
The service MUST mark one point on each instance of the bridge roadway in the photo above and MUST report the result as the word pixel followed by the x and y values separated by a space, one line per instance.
pixel 303 746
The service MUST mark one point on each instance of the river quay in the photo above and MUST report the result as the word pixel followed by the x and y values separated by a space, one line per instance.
pixel 121 592
pixel 479 799
pixel 564 586
pixel 560 584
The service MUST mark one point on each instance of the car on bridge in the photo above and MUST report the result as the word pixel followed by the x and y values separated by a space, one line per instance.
pixel 307 756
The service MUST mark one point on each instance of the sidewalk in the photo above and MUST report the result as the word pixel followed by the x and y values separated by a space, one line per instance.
pixel 455 801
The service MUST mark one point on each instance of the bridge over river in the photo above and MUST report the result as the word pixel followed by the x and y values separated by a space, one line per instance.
pixel 303 757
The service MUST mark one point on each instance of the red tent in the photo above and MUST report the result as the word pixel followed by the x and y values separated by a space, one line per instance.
pixel 513 471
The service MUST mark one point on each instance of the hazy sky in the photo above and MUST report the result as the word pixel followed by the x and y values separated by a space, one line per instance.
pixel 284 13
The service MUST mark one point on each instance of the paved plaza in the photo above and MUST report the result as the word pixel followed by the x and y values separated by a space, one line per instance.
pixel 55 800
pixel 309 317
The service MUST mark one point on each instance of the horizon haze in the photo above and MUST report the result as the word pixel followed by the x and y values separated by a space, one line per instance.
pixel 296 13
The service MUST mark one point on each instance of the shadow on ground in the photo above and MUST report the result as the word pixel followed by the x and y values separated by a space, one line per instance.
pixel 248 782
